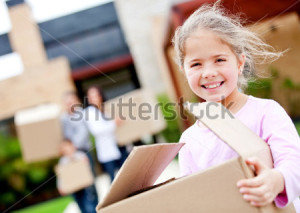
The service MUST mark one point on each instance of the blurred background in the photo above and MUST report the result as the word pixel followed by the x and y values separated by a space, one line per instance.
pixel 48 48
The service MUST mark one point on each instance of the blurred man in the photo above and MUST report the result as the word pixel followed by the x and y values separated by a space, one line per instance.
pixel 75 129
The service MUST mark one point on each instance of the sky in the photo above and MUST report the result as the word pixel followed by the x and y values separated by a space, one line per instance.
pixel 42 10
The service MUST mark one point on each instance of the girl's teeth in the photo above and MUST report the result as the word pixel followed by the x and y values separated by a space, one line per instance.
pixel 213 86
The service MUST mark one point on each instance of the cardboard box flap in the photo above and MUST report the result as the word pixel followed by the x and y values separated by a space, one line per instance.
pixel 38 113
pixel 141 169
pixel 222 122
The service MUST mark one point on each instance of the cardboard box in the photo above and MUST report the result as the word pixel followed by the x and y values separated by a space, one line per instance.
pixel 25 36
pixel 210 191
pixel 74 176
pixel 42 84
pixel 39 132
pixel 140 113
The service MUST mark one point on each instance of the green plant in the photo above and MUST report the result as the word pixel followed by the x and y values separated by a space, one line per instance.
pixel 18 179
pixel 297 125
pixel 292 91
pixel 288 84
pixel 172 132
pixel 260 88
pixel 54 205
pixel 274 72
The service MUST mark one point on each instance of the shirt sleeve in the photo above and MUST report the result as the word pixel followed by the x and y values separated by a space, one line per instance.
pixel 281 135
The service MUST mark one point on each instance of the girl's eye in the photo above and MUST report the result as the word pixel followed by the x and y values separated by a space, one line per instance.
pixel 220 60
pixel 195 64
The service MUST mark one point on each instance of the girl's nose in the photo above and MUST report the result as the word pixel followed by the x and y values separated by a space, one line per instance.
pixel 209 72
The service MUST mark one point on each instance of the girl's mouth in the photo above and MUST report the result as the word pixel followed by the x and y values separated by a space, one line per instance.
pixel 212 86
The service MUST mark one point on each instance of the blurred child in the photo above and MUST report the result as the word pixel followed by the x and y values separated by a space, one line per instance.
pixel 86 198
pixel 218 56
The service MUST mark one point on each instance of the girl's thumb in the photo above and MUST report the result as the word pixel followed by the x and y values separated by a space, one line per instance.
pixel 256 163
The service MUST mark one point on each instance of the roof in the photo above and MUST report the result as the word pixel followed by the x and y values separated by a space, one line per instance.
pixel 87 37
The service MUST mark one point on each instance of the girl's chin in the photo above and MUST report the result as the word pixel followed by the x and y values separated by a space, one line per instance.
pixel 217 98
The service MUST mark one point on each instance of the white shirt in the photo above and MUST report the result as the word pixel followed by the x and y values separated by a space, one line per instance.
pixel 104 133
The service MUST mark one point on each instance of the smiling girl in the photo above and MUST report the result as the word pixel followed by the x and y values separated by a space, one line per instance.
pixel 218 57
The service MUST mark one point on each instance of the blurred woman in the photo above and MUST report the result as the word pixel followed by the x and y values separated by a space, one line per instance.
pixel 104 132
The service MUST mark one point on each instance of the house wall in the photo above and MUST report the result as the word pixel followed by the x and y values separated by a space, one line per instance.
pixel 136 19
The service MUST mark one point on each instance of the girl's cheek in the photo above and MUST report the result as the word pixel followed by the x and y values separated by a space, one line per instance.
pixel 189 80
pixel 193 82
pixel 191 73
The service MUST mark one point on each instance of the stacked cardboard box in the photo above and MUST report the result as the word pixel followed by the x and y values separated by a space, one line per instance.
pixel 39 132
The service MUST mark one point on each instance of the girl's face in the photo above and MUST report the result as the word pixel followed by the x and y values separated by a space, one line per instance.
pixel 211 68
pixel 94 97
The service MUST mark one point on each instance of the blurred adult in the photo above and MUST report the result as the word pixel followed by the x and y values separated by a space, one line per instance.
pixel 75 129
pixel 103 130
pixel 73 123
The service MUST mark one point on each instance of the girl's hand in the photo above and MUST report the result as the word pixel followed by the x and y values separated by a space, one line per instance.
pixel 262 189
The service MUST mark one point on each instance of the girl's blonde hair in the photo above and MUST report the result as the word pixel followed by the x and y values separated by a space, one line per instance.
pixel 229 29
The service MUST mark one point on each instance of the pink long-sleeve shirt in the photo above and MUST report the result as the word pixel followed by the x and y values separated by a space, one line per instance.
pixel 269 121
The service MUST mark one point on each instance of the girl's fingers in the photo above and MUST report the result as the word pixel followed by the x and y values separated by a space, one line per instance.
pixel 257 191
pixel 258 201
pixel 252 182
pixel 258 204
pixel 252 198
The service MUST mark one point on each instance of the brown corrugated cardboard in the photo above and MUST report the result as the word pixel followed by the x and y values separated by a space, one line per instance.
pixel 136 123
pixel 39 132
pixel 25 36
pixel 213 190
pixel 141 169
pixel 45 83
pixel 35 85
pixel 74 175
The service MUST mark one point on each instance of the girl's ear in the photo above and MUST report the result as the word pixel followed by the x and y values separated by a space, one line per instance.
pixel 182 69
pixel 241 62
